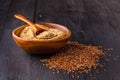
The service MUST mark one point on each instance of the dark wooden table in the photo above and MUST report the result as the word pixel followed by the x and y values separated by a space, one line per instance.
pixel 95 22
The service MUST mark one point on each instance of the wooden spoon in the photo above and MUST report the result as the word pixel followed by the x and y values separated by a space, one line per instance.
pixel 35 28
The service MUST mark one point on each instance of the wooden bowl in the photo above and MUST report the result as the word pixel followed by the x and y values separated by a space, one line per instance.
pixel 41 46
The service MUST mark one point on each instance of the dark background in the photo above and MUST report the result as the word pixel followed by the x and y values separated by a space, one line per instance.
pixel 95 22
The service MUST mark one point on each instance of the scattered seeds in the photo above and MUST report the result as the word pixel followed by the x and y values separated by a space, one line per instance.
pixel 75 56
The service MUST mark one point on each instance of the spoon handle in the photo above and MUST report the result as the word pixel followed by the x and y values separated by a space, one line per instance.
pixel 32 25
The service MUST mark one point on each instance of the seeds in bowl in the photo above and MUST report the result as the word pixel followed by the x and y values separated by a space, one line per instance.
pixel 49 34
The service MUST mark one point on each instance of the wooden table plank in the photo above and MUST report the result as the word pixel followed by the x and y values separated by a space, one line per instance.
pixel 4 10
pixel 15 62
pixel 101 20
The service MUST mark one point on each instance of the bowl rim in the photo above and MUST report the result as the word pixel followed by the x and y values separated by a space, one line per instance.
pixel 68 32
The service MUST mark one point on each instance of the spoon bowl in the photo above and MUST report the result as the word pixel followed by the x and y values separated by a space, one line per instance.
pixel 41 46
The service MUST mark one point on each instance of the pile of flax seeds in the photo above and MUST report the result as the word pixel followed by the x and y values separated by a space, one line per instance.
pixel 75 56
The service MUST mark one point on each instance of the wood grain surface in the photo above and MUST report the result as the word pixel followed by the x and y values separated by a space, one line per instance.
pixel 95 22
